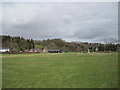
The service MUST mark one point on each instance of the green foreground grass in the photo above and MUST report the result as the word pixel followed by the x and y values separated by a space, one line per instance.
pixel 70 70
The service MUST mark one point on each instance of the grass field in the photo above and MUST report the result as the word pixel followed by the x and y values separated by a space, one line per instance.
pixel 65 70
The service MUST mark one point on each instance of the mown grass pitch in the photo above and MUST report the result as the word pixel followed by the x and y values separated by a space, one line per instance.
pixel 65 70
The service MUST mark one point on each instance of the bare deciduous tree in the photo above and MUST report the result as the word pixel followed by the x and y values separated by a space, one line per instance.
pixel 110 41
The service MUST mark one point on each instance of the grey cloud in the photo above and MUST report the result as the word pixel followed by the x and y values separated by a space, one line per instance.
pixel 69 21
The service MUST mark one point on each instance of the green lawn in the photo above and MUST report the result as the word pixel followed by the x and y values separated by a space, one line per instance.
pixel 69 70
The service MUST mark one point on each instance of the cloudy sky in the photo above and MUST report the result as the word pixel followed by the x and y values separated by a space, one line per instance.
pixel 71 21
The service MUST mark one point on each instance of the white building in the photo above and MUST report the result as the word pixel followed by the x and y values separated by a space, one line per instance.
pixel 4 49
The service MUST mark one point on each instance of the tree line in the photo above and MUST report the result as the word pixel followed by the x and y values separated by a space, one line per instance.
pixel 16 44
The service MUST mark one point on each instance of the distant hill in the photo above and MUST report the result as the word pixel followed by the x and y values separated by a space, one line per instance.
pixel 39 46
pixel 67 46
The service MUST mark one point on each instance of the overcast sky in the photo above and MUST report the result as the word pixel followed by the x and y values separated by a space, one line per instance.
pixel 88 21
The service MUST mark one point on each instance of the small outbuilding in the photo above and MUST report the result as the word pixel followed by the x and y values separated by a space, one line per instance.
pixel 35 50
pixel 56 51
